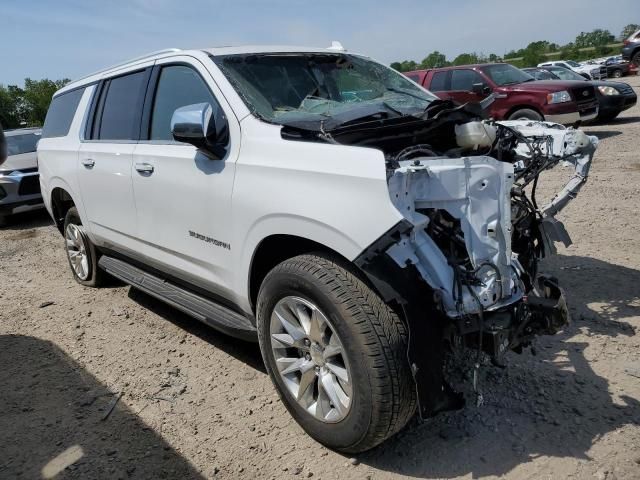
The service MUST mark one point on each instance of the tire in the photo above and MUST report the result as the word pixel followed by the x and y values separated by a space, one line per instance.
pixel 373 343
pixel 526 114
pixel 617 73
pixel 77 240
pixel 607 117
pixel 636 59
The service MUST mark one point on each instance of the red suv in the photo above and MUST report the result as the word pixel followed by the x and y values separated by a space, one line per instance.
pixel 517 94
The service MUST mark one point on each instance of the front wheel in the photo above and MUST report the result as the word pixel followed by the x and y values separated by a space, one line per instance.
pixel 336 353
pixel 617 73
pixel 81 253
pixel 525 114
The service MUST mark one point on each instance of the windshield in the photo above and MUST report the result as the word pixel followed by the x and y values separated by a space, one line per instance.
pixel 572 63
pixel 505 74
pixel 565 74
pixel 19 144
pixel 283 88
pixel 540 74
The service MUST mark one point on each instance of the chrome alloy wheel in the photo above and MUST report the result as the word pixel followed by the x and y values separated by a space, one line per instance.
pixel 310 359
pixel 77 251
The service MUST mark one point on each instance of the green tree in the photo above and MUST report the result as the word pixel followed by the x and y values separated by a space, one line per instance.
pixel 434 60
pixel 466 59
pixel 9 108
pixel 595 38
pixel 37 96
pixel 629 30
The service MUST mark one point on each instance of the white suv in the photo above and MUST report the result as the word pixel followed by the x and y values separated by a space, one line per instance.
pixel 321 203
pixel 590 72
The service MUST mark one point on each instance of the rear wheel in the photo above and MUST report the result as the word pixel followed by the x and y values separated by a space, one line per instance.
pixel 336 353
pixel 81 253
pixel 525 114
pixel 617 73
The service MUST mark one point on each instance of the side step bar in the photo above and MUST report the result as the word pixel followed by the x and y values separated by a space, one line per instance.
pixel 213 314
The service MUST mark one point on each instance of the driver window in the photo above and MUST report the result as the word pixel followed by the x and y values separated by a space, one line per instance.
pixel 178 86
pixel 463 80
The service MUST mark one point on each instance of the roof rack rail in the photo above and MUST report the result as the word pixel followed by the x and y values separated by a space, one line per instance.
pixel 136 59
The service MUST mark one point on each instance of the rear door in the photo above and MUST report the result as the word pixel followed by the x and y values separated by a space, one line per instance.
pixel 462 82
pixel 438 84
pixel 105 156
pixel 183 197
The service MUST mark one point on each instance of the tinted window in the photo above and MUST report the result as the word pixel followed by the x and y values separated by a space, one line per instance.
pixel 120 118
pixel 178 86
pixel 464 80
pixel 438 82
pixel 60 115
pixel 19 144
pixel 413 76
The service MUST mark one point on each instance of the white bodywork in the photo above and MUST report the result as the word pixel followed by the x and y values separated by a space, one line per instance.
pixel 336 195
pixel 592 70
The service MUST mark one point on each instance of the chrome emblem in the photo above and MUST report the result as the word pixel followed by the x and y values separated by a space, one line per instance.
pixel 585 93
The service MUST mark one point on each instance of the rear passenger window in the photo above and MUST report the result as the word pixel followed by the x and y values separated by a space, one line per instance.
pixel 439 82
pixel 178 86
pixel 120 118
pixel 61 112
pixel 463 80
pixel 413 76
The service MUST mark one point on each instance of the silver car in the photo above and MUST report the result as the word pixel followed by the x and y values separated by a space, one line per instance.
pixel 19 181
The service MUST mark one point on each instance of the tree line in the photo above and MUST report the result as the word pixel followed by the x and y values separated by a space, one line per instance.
pixel 27 106
pixel 587 45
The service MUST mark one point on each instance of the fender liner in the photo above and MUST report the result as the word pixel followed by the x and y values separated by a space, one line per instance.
pixel 404 290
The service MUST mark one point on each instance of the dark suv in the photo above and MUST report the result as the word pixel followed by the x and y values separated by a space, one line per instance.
pixel 517 95
pixel 631 49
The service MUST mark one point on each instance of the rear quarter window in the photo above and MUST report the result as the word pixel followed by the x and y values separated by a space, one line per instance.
pixel 61 112
pixel 439 82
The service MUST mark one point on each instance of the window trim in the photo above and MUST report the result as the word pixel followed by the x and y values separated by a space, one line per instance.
pixel 94 123
pixel 150 99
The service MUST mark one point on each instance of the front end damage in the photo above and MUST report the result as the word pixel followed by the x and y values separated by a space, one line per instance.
pixel 462 266
pixel 473 233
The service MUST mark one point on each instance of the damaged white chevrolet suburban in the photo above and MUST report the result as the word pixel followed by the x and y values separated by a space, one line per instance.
pixel 322 203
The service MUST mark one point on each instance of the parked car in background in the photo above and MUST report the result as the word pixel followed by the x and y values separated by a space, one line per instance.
pixel 3 146
pixel 631 49
pixel 517 94
pixel 613 97
pixel 591 72
pixel 19 182
pixel 617 67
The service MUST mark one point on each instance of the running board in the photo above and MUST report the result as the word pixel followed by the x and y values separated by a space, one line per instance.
pixel 213 314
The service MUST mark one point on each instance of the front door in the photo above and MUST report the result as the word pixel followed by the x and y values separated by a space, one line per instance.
pixel 182 196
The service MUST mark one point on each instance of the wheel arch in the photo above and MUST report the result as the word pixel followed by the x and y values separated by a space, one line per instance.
pixel 515 108
pixel 61 203
pixel 276 248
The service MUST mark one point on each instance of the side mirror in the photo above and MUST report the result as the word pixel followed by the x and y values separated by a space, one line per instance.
pixel 203 126
pixel 481 89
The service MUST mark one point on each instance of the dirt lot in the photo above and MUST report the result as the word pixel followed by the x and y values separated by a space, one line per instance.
pixel 197 404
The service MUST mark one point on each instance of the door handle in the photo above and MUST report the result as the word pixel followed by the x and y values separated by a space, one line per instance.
pixel 144 168
pixel 88 162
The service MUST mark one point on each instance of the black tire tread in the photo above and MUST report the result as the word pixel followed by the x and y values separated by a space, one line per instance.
pixel 386 338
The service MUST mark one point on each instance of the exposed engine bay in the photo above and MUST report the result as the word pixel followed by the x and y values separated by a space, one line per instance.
pixel 473 229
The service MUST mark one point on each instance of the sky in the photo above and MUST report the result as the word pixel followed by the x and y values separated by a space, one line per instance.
pixel 71 38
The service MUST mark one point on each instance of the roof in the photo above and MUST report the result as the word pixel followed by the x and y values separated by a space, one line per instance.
pixel 457 67
pixel 224 50
pixel 22 131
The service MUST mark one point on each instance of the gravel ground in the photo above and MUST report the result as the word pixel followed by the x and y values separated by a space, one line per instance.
pixel 115 384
